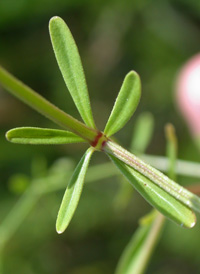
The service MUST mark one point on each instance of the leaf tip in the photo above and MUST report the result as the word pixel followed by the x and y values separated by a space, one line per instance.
pixel 8 135
pixel 133 73
pixel 54 21
pixel 54 18
pixel 192 224
pixel 59 231
pixel 59 227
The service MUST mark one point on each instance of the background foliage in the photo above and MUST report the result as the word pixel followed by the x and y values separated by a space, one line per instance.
pixel 154 38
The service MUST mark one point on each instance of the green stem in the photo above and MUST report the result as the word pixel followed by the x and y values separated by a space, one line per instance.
pixel 150 243
pixel 171 150
pixel 40 104
pixel 182 167
pixel 41 187
pixel 17 215
pixel 174 189
pixel 153 234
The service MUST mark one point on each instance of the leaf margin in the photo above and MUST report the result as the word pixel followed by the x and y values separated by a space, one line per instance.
pixel 70 65
pixel 125 104
pixel 42 136
pixel 68 207
pixel 141 183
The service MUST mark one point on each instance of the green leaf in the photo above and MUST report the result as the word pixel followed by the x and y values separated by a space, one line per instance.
pixel 126 103
pixel 157 197
pixel 40 104
pixel 73 193
pixel 142 134
pixel 136 255
pixel 140 248
pixel 41 136
pixel 162 181
pixel 69 62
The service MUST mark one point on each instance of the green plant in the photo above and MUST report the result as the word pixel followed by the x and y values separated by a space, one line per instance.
pixel 171 199
pixel 137 254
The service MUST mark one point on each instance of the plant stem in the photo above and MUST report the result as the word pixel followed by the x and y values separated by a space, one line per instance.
pixel 174 189
pixel 171 150
pixel 41 187
pixel 150 243
pixel 40 104
pixel 17 215
pixel 182 167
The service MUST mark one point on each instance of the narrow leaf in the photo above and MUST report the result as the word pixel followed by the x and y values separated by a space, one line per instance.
pixel 142 133
pixel 140 248
pixel 157 197
pixel 41 136
pixel 162 181
pixel 69 62
pixel 40 104
pixel 73 193
pixel 136 255
pixel 126 103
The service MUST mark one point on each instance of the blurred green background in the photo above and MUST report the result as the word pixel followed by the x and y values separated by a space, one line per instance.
pixel 154 38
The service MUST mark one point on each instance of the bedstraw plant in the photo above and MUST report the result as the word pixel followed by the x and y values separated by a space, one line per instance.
pixel 168 197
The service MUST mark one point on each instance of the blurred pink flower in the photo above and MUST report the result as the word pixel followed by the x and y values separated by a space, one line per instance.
pixel 188 94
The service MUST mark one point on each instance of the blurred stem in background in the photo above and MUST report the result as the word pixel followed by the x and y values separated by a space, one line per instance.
pixel 182 167
pixel 171 150
pixel 56 177
pixel 139 250
pixel 55 180
pixel 155 42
